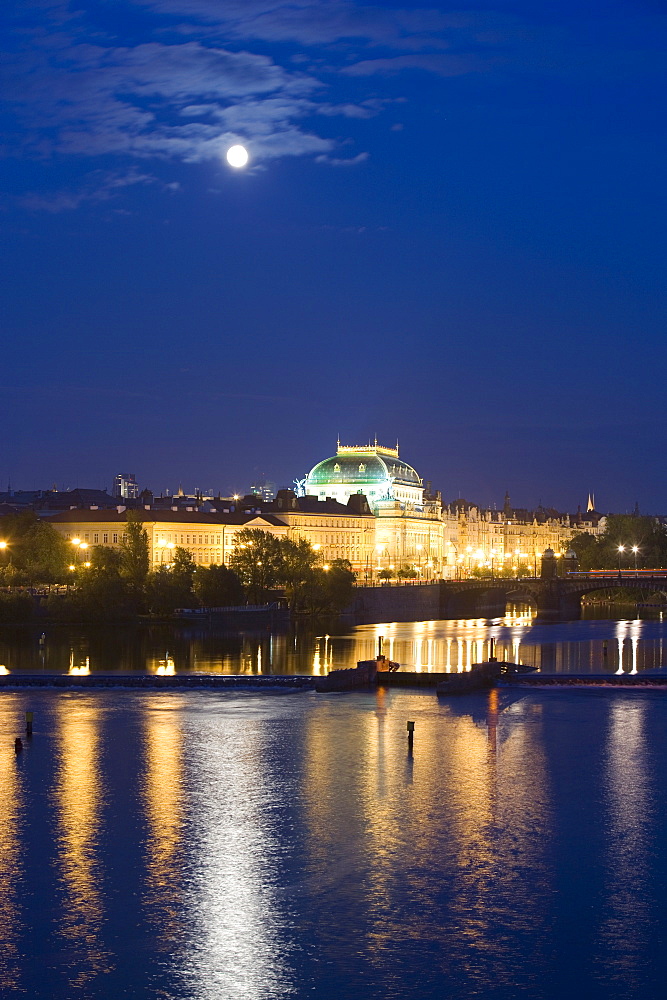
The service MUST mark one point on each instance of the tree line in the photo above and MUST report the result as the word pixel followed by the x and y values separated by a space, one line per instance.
pixel 628 531
pixel 117 583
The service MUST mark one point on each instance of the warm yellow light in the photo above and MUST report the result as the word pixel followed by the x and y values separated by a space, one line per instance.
pixel 76 541
pixel 3 545
pixel 86 564
pixel 72 567
pixel 316 548
pixel 635 548
pixel 621 548
pixel 83 545
pixel 236 497
pixel 170 545
pixel 391 567
pixel 162 541
pixel 326 566
pixel 419 548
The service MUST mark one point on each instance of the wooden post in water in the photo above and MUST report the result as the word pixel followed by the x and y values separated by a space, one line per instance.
pixel 411 736
pixel 28 723
pixel 18 745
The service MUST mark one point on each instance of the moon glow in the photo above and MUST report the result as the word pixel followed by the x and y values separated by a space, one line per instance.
pixel 237 156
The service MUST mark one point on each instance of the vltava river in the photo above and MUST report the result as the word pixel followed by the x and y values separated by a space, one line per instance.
pixel 595 644
pixel 246 846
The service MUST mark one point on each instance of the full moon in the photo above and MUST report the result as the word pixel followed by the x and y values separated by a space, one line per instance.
pixel 237 156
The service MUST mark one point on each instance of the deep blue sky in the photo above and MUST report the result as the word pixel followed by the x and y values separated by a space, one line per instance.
pixel 452 232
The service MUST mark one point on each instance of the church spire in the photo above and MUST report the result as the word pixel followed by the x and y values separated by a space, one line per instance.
pixel 591 502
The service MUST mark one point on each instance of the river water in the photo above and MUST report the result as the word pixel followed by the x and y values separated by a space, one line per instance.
pixel 607 639
pixel 248 846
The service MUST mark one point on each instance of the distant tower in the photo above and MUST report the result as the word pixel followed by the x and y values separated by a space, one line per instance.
pixel 507 506
pixel 591 502
pixel 125 486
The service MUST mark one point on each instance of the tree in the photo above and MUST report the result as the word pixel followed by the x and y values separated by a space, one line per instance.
pixel 43 554
pixel 217 587
pixel 407 573
pixel 167 590
pixel 587 549
pixel 330 590
pixel 106 561
pixel 386 574
pixel 183 567
pixel 257 559
pixel 628 530
pixel 298 562
pixel 134 548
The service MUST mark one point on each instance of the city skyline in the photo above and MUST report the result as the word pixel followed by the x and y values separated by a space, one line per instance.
pixel 449 228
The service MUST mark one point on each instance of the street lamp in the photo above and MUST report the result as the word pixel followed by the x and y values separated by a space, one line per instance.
pixel 635 549
pixel 80 547
pixel 621 550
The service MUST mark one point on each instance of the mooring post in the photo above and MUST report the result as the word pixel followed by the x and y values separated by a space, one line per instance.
pixel 18 745
pixel 28 723
pixel 411 735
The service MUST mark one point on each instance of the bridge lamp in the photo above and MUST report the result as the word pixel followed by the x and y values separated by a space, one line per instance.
pixel 621 550
pixel 635 549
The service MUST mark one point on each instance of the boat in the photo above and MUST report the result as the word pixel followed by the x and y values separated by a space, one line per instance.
pixel 481 676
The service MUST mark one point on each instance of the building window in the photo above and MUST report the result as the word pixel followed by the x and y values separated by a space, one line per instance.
pixel 96 538
pixel 115 537
pixel 86 537
pixel 105 537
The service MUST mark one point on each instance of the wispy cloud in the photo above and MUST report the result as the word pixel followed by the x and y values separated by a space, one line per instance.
pixel 196 77
pixel 350 161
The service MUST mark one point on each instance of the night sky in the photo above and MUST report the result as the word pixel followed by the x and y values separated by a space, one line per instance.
pixel 451 232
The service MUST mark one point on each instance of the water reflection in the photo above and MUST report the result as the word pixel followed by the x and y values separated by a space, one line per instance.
pixel 449 646
pixel 163 795
pixel 628 815
pixel 11 835
pixel 78 800
pixel 238 942
pixel 435 845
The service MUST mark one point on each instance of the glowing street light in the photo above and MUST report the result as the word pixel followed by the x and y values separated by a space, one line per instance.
pixel 635 549
pixel 621 550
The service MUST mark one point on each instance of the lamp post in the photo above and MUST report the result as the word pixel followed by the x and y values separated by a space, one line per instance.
pixel 635 549
pixel 621 550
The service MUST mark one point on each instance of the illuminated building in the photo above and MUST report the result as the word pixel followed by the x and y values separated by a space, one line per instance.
pixel 374 471
pixel 410 532
pixel 365 505
pixel 125 486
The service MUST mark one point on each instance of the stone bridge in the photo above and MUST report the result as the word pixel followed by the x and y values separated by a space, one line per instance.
pixel 559 597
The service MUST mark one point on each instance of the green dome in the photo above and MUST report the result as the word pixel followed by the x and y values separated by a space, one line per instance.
pixel 349 469
pixel 362 470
